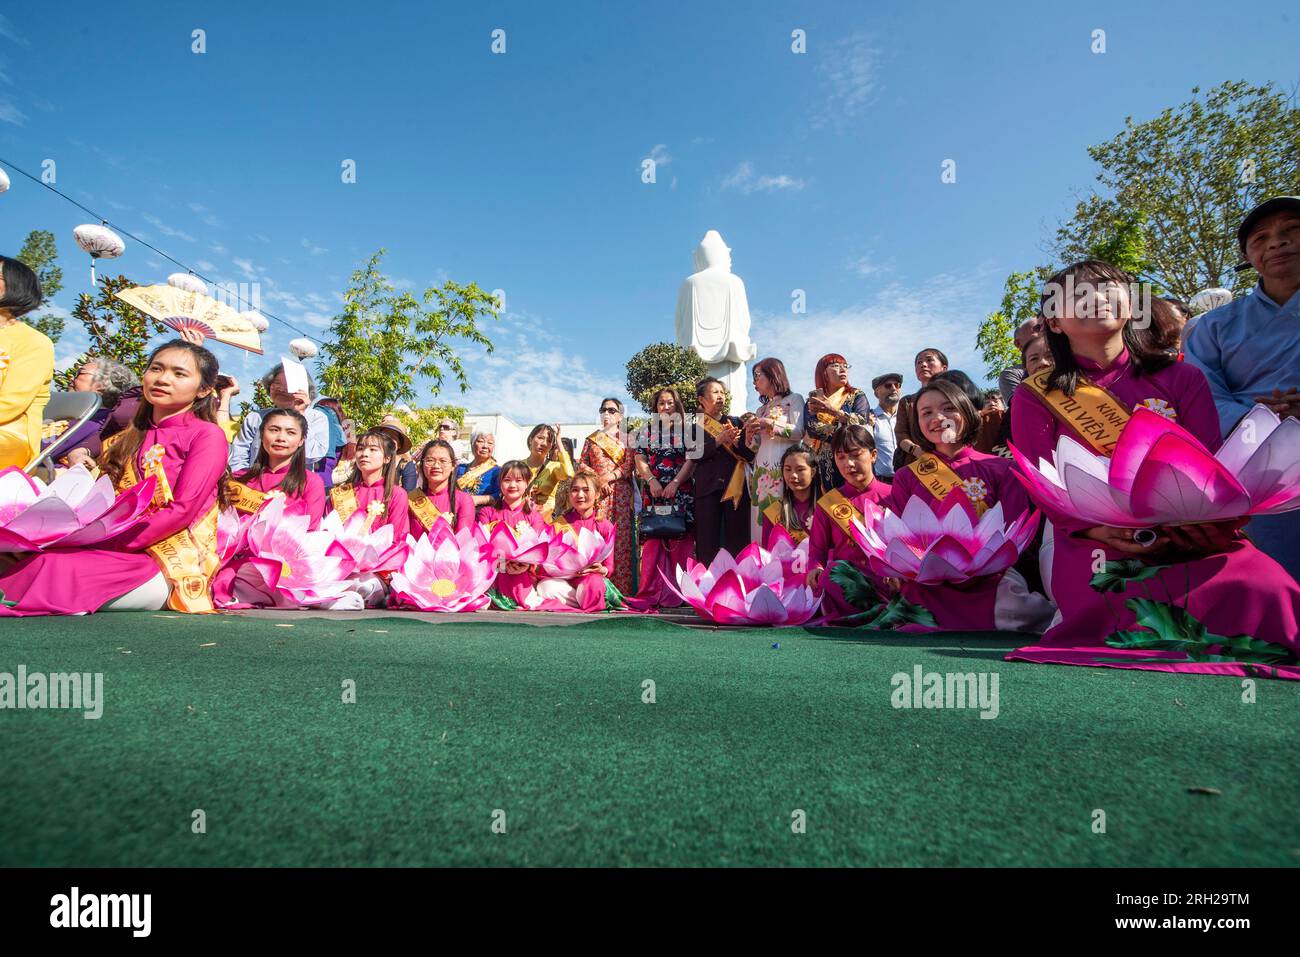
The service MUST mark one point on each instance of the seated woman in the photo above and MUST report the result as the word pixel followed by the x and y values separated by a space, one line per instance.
pixel 26 366
pixel 1191 581
pixel 829 540
pixel 373 487
pixel 588 590
pixel 479 477
pixel 793 511
pixel 948 465
pixel 169 559
pixel 280 466
pixel 437 495
pixel 516 580
pixel 550 465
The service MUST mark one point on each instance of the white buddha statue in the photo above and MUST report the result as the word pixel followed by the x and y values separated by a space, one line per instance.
pixel 713 318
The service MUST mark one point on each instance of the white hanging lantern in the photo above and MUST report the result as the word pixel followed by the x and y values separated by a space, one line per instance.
pixel 1208 299
pixel 100 241
pixel 188 282
pixel 303 348
pixel 256 320
pixel 4 181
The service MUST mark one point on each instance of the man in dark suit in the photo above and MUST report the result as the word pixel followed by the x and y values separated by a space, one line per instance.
pixel 719 524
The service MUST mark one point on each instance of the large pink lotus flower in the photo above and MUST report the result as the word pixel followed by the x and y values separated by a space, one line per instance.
pixel 757 587
pixel 922 547
pixel 1161 475
pixel 446 571
pixel 293 564
pixel 570 552
pixel 524 544
pixel 232 531
pixel 364 550
pixel 76 510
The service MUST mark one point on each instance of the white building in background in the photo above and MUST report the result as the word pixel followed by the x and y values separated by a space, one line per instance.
pixel 512 438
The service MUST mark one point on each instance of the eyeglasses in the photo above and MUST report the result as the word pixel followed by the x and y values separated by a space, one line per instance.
pixel 839 365
pixel 608 411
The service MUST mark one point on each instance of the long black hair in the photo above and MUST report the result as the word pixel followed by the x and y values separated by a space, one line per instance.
pixel 1144 355
pixel 295 480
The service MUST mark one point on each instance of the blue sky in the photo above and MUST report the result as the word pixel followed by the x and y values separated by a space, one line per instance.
pixel 522 171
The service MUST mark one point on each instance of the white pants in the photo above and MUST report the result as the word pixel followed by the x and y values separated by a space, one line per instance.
pixel 151 596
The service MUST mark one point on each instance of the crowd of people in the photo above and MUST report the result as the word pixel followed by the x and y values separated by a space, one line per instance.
pixel 687 484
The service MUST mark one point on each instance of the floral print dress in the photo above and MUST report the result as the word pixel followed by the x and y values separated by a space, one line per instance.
pixel 766 483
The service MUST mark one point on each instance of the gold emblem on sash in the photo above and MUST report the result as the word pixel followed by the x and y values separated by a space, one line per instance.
pixel 244 499
pixel 344 501
pixel 939 479
pixel 1092 413
pixel 188 558
pixel 424 509
pixel 841 511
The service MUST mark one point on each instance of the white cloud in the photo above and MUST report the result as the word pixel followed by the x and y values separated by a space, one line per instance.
pixel 659 153
pixel 205 214
pixel 7 31
pixel 866 267
pixel 9 112
pixel 884 334
pixel 849 73
pixel 168 230
pixel 744 178
pixel 205 265
pixel 532 376
pixel 311 247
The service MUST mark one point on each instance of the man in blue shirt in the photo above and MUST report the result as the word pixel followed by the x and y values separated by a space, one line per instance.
pixel 1249 349
pixel 888 389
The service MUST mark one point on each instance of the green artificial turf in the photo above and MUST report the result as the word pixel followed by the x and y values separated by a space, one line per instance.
pixel 456 720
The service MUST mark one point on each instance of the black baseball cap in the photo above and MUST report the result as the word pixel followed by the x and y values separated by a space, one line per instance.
pixel 875 383
pixel 1267 208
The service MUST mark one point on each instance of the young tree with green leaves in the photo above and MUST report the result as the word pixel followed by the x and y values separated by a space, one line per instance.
pixel 996 337
pixel 422 424
pixel 383 342
pixel 41 253
pixel 1183 181
pixel 661 365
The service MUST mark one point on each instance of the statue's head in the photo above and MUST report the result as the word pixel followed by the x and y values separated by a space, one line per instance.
pixel 712 253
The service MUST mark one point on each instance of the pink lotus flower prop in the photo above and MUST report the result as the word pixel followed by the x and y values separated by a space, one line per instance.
pixel 293 563
pixel 232 529
pixel 446 571
pixel 363 551
pixel 74 511
pixel 524 544
pixel 922 547
pixel 757 587
pixel 1161 475
pixel 570 552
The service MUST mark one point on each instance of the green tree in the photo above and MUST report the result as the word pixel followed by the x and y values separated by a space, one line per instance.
pixel 422 424
pixel 41 253
pixel 115 329
pixel 1184 180
pixel 665 364
pixel 996 337
pixel 383 342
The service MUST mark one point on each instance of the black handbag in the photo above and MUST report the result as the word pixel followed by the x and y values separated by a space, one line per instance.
pixel 663 521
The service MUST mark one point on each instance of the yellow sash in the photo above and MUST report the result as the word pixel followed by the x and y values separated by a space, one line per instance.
pixel 426 511
pixel 242 498
pixel 344 501
pixel 1092 413
pixel 938 479
pixel 610 447
pixel 773 514
pixel 560 525
pixel 835 400
pixel 841 511
pixel 469 481
pixel 736 484
pixel 188 558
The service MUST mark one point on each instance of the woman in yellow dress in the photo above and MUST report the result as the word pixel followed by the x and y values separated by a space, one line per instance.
pixel 26 366
pixel 551 467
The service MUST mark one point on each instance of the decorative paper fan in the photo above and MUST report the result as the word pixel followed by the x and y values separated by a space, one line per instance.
pixel 181 309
